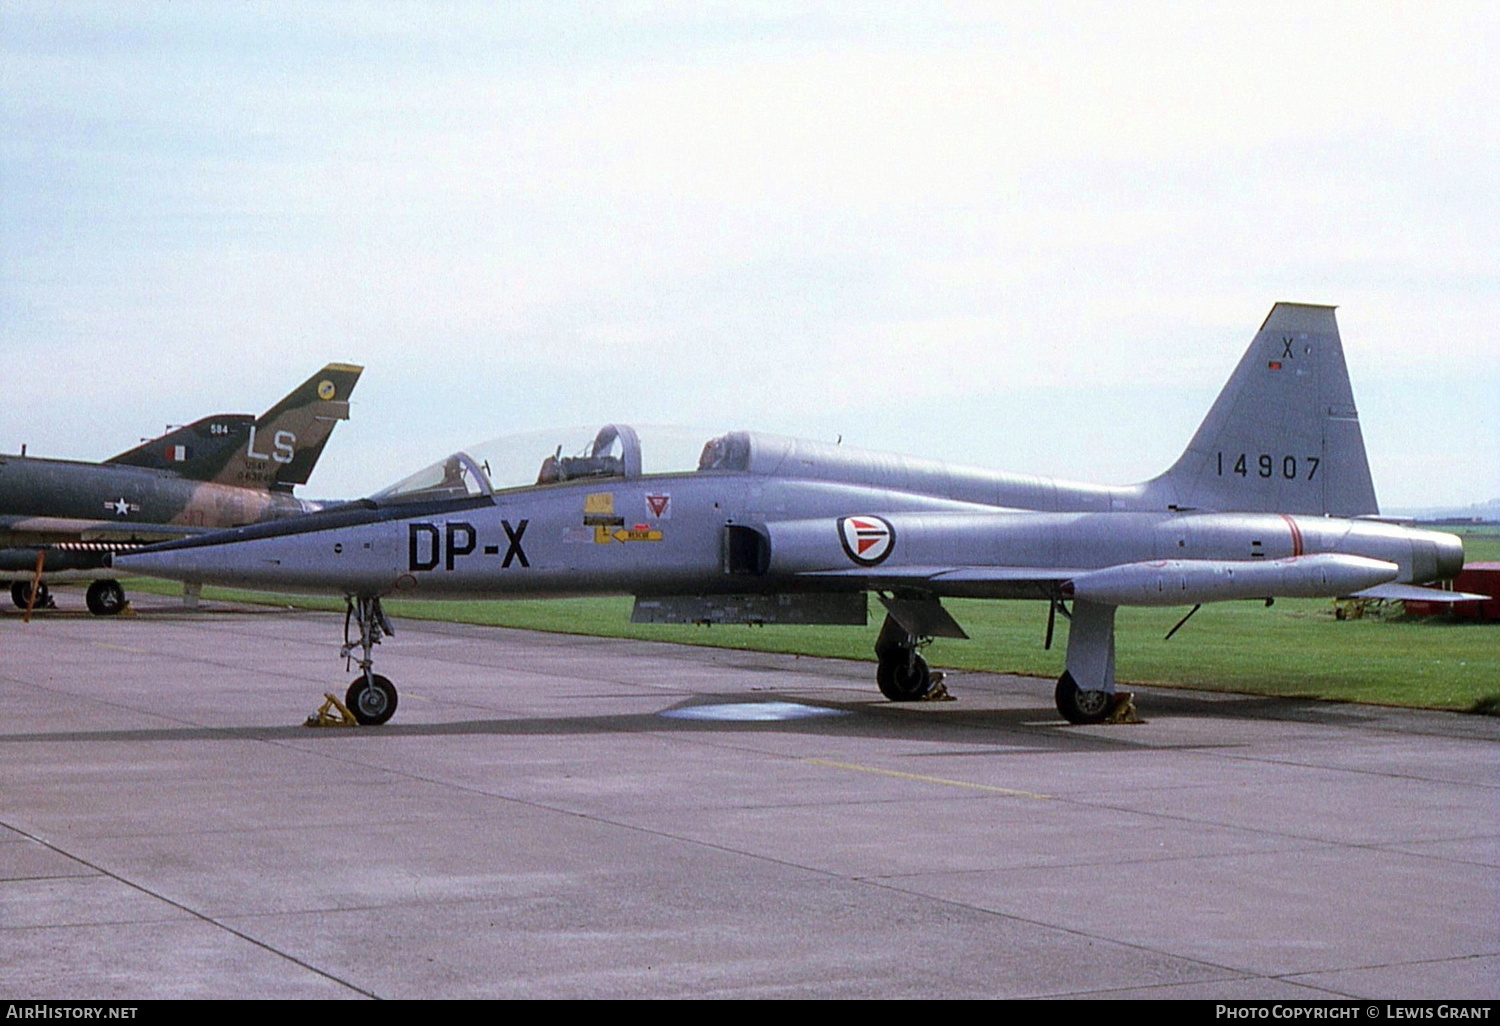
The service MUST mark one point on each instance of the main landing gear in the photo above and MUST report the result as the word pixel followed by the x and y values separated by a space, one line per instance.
pixel 20 594
pixel 105 598
pixel 902 673
pixel 1078 705
pixel 371 698
pixel 1086 690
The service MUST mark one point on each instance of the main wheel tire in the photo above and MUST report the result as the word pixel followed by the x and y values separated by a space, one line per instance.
pixel 20 591
pixel 373 703
pixel 105 598
pixel 1078 705
pixel 904 680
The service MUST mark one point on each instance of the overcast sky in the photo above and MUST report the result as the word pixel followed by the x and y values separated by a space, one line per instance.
pixel 1033 237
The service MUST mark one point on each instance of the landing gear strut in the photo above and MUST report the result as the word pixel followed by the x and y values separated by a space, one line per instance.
pixel 371 698
pixel 902 673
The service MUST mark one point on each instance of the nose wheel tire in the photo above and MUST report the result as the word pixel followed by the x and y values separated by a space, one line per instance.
pixel 105 598
pixel 1078 705
pixel 372 702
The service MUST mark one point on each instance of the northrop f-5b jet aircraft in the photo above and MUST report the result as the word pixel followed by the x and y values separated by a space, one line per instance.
pixel 1271 498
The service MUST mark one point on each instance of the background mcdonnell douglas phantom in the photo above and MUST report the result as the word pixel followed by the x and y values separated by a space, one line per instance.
pixel 1266 501
pixel 60 519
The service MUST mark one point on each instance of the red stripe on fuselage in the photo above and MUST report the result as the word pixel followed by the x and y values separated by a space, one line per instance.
pixel 1296 534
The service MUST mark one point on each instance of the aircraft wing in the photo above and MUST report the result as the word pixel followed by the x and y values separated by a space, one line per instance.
pixel 1413 593
pixel 1157 582
pixel 999 575
pixel 24 530
pixel 956 574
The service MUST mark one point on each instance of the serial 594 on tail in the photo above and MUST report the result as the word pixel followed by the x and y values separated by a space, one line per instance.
pixel 1271 498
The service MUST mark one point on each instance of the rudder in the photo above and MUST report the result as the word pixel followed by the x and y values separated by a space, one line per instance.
pixel 285 442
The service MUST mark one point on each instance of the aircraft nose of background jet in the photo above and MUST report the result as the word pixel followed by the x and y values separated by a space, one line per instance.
pixel 1436 556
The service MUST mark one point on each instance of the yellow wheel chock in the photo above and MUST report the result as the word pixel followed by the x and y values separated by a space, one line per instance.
pixel 939 691
pixel 1123 710
pixel 332 713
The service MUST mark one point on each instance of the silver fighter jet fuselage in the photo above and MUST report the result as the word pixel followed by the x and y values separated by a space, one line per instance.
pixel 1265 502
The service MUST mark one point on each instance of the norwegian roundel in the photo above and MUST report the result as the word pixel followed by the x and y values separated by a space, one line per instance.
pixel 866 540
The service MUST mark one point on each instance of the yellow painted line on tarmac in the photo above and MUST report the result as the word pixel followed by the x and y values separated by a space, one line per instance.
pixel 927 780
pixel 119 648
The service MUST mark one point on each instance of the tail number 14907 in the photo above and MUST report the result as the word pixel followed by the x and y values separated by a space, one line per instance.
pixel 1269 465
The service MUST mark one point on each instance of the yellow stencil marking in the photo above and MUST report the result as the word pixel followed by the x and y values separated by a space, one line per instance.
pixel 603 535
pixel 636 534
pixel 926 780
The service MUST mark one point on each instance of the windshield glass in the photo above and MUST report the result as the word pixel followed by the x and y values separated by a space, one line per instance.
pixel 454 477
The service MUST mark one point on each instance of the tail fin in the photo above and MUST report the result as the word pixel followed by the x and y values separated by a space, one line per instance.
pixel 1283 436
pixel 195 451
pixel 273 452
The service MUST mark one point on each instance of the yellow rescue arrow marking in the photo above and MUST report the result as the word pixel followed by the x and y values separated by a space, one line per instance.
pixel 626 534
pixel 603 535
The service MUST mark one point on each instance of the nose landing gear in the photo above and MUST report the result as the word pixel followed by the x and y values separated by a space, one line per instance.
pixel 371 697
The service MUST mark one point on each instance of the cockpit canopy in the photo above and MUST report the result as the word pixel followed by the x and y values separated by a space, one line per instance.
pixel 618 451
pixel 545 458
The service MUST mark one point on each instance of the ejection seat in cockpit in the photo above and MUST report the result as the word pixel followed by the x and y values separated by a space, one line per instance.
pixel 615 452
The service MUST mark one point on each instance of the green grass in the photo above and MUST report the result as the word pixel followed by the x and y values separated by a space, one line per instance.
pixel 1295 648
pixel 1481 542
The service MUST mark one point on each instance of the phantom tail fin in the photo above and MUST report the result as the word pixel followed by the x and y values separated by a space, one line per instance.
pixel 1283 436
pixel 274 452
